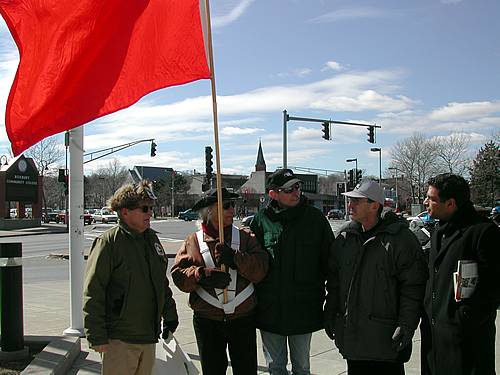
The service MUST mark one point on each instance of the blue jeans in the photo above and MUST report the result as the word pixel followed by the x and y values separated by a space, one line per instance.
pixel 276 353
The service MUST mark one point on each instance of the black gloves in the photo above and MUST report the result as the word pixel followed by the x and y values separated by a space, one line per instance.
pixel 169 327
pixel 330 328
pixel 213 278
pixel 225 255
pixel 401 338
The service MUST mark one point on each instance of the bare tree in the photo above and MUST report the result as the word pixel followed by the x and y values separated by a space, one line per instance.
pixel 46 154
pixel 453 153
pixel 100 185
pixel 415 157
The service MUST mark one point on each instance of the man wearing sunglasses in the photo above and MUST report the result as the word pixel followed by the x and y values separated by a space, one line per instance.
pixel 378 276
pixel 221 326
pixel 126 291
pixel 297 238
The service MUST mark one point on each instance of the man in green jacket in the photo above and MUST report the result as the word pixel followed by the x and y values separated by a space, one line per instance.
pixel 126 291
pixel 290 299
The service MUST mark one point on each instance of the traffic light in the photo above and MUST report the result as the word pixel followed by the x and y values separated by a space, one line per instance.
pixel 371 134
pixel 359 175
pixel 153 148
pixel 208 164
pixel 326 131
pixel 340 188
pixel 351 176
pixel 62 175
pixel 66 185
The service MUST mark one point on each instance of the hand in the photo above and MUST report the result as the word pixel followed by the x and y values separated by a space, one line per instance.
pixel 213 278
pixel 100 348
pixel 225 255
pixel 401 338
pixel 330 328
pixel 168 327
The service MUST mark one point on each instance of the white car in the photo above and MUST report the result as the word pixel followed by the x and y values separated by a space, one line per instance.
pixel 105 215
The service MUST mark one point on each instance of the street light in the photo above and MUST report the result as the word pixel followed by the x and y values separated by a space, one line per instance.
pixel 397 195
pixel 379 150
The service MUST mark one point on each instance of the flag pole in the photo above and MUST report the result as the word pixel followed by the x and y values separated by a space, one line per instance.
pixel 220 212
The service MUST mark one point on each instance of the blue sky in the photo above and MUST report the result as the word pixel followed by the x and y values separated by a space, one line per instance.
pixel 431 66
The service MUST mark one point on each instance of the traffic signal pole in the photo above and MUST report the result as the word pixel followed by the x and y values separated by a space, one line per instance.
pixel 326 129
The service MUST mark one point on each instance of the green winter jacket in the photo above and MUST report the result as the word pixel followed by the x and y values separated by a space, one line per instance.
pixel 290 299
pixel 126 291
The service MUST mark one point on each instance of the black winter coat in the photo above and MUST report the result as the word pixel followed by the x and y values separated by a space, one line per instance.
pixel 379 286
pixel 290 299
pixel 459 337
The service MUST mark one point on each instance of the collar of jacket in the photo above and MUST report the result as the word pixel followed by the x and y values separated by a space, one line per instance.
pixel 463 217
pixel 227 235
pixel 275 213
pixel 134 234
pixel 390 223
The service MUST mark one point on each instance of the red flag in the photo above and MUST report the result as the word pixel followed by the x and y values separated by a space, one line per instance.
pixel 82 59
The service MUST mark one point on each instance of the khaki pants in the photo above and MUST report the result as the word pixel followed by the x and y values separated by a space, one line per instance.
pixel 122 358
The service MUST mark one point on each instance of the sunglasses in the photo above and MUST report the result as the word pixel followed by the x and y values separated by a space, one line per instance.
pixel 228 204
pixel 291 189
pixel 145 209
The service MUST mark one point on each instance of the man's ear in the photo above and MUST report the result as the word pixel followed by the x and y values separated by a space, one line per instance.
pixel 451 204
pixel 273 194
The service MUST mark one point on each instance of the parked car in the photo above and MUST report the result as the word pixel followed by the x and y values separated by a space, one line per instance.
pixel 335 214
pixel 87 217
pixel 49 215
pixel 61 217
pixel 105 215
pixel 247 220
pixel 188 215
pixel 420 220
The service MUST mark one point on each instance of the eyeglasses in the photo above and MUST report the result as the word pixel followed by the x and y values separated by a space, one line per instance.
pixel 291 189
pixel 145 209
pixel 226 205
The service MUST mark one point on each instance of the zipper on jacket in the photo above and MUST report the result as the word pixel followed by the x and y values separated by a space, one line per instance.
pixel 358 262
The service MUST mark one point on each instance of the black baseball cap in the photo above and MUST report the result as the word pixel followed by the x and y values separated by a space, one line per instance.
pixel 282 178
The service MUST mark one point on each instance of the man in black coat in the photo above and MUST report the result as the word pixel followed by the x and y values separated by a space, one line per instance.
pixel 458 334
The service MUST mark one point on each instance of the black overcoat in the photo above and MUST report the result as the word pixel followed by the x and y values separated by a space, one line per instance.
pixel 459 337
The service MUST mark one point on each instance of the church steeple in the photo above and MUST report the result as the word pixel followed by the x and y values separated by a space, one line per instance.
pixel 260 164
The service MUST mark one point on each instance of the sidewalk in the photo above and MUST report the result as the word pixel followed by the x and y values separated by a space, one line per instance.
pixel 46 313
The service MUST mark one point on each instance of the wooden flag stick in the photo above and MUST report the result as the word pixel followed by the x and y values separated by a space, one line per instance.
pixel 220 210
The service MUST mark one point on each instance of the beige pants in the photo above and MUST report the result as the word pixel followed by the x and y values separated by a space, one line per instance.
pixel 122 358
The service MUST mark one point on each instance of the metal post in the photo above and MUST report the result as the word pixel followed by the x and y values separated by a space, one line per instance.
pixel 173 204
pixel 380 167
pixel 11 308
pixel 76 232
pixel 285 120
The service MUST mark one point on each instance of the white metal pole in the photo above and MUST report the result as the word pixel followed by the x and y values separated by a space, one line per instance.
pixel 76 232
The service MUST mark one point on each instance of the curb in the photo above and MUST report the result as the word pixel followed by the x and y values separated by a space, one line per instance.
pixel 56 358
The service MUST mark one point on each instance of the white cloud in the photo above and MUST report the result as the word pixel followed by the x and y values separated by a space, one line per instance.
pixel 463 111
pixel 231 130
pixel 235 12
pixel 350 14
pixel 332 65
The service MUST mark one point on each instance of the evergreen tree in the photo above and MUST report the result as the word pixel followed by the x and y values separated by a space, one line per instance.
pixel 485 175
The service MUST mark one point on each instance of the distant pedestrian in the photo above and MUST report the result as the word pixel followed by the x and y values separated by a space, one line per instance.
pixel 377 281
pixel 221 326
pixel 126 291
pixel 297 238
pixel 458 332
